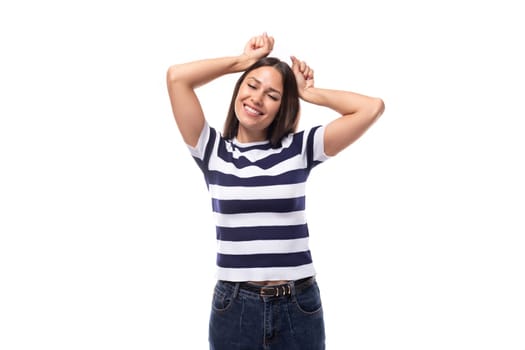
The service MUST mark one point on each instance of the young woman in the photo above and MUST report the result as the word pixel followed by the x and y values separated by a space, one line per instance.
pixel 266 296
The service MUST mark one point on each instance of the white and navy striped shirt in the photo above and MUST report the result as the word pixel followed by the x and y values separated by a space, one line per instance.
pixel 258 199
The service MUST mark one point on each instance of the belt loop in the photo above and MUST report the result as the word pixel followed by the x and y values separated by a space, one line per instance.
pixel 292 287
pixel 236 289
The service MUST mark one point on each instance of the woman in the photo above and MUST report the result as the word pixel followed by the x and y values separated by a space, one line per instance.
pixel 266 296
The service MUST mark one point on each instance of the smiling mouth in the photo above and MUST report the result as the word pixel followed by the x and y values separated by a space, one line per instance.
pixel 252 111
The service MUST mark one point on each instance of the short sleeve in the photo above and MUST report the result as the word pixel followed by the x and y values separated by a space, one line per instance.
pixel 199 150
pixel 315 146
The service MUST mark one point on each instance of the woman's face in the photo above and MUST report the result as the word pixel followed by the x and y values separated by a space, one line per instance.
pixel 258 102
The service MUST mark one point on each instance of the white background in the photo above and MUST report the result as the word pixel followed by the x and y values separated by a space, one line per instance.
pixel 417 230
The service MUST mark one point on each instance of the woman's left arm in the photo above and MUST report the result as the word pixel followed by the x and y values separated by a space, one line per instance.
pixel 358 112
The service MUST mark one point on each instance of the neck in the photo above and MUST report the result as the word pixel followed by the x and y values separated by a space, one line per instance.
pixel 247 137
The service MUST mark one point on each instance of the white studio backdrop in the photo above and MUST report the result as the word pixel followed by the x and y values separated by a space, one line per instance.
pixel 417 230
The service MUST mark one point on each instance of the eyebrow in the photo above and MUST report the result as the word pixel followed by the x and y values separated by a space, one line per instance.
pixel 269 89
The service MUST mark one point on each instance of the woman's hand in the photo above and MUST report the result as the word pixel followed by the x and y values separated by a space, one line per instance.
pixel 304 75
pixel 258 47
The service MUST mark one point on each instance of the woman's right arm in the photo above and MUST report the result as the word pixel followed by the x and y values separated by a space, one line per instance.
pixel 183 79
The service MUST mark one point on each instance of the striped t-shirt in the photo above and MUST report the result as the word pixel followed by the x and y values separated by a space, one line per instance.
pixel 258 200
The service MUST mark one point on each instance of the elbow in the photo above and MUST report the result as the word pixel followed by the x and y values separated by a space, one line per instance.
pixel 178 75
pixel 172 74
pixel 378 107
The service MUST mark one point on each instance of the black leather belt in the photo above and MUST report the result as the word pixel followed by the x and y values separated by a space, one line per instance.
pixel 277 290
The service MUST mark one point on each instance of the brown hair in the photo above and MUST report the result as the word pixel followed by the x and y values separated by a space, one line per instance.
pixel 286 119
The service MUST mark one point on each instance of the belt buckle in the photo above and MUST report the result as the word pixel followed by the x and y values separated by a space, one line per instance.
pixel 276 291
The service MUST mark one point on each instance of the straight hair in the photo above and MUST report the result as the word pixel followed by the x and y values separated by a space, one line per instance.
pixel 287 117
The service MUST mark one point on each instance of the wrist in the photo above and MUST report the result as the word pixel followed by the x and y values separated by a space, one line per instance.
pixel 243 62
pixel 308 94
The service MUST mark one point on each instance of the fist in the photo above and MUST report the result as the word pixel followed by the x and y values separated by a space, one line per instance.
pixel 259 46
pixel 304 74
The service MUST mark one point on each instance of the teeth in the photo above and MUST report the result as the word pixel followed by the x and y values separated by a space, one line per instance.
pixel 251 110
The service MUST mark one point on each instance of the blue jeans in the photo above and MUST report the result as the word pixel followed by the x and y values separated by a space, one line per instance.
pixel 243 319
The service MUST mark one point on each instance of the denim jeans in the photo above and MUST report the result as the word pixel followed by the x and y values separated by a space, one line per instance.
pixel 242 319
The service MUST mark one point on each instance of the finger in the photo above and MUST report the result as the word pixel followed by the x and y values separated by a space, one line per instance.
pixel 303 66
pixel 306 72
pixel 265 42
pixel 295 64
pixel 311 75
pixel 253 42
pixel 271 41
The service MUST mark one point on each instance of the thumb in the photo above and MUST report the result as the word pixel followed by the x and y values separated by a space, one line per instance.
pixel 295 63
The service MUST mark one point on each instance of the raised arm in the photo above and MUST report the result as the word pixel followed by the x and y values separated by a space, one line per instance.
pixel 183 79
pixel 358 112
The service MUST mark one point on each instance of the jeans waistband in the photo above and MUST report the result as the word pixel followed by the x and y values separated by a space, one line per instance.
pixel 280 290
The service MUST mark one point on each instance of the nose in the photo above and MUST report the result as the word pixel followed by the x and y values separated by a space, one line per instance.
pixel 257 98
